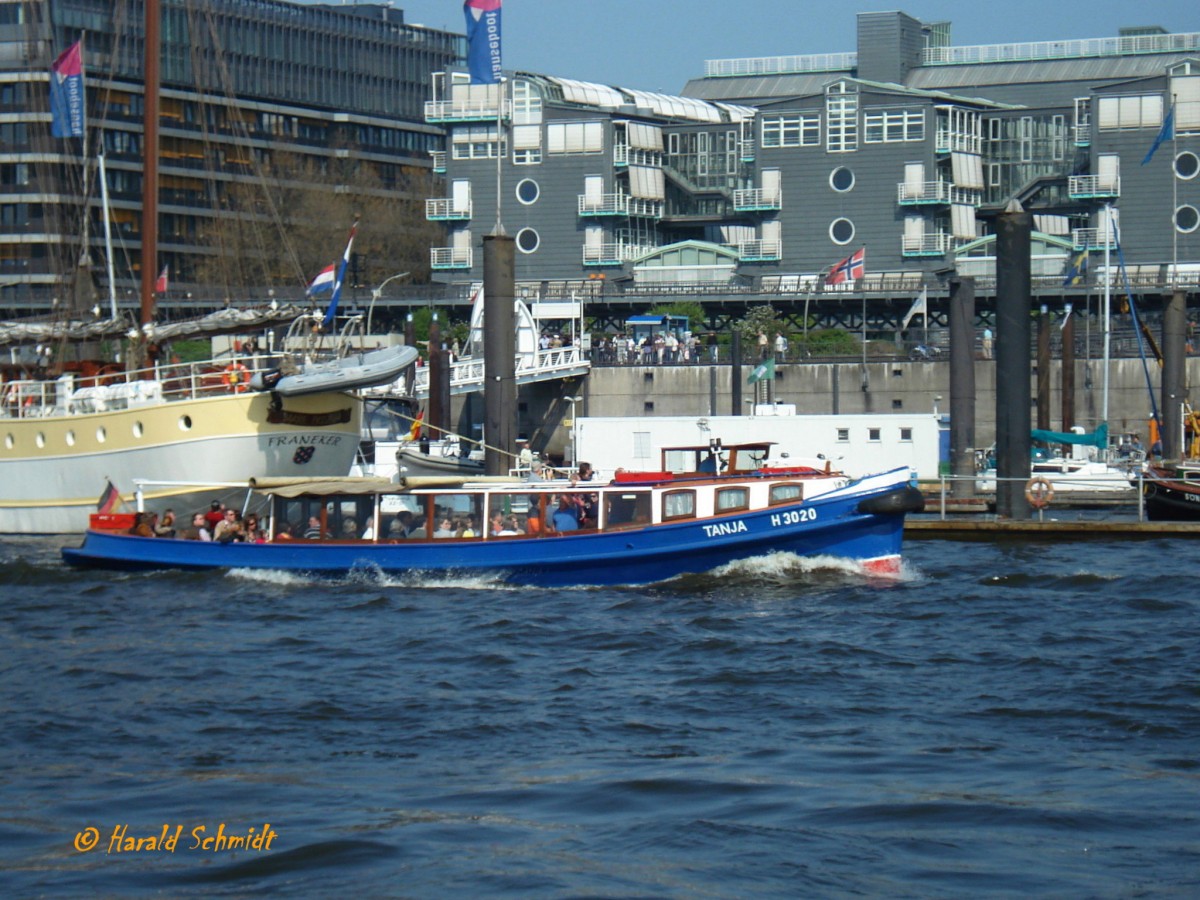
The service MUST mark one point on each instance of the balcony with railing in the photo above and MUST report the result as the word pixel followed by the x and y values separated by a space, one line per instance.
pixel 759 251
pixel 465 110
pixel 624 155
pixel 1093 238
pixel 934 193
pixel 757 200
pixel 1083 135
pixel 1094 187
pixel 450 257
pixel 446 209
pixel 951 141
pixel 934 243
pixel 439 161
pixel 619 204
pixel 749 149
pixel 613 253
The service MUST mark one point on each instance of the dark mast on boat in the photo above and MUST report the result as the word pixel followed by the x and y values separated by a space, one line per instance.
pixel 153 55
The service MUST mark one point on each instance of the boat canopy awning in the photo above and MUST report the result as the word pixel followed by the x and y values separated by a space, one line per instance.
pixel 298 487
pixel 1098 438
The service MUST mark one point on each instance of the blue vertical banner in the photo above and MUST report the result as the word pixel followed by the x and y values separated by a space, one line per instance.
pixel 483 40
pixel 66 93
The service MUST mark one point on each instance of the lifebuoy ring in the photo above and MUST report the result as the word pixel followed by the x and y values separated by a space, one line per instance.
pixel 235 377
pixel 1039 492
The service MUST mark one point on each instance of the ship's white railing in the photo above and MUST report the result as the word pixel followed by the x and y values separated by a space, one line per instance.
pixel 113 388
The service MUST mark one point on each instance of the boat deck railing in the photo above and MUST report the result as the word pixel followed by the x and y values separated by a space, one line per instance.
pixel 113 388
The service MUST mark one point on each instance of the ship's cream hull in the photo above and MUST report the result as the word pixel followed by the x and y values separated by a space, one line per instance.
pixel 54 468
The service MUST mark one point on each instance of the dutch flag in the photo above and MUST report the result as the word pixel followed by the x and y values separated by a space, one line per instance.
pixel 324 282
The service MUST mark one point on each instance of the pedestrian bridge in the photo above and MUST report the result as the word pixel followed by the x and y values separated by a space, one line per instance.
pixel 544 322
pixel 466 374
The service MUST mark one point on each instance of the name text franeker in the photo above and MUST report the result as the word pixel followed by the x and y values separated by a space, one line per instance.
pixel 285 440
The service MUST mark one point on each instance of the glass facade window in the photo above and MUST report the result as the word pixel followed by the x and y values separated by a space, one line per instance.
pixel 841 116
pixel 890 126
pixel 802 129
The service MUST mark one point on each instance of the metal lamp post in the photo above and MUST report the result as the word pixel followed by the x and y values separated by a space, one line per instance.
pixel 377 292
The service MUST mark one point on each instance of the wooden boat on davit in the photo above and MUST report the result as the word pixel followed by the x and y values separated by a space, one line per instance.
pixel 637 528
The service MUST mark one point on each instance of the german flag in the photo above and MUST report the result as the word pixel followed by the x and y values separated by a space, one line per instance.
pixel 108 500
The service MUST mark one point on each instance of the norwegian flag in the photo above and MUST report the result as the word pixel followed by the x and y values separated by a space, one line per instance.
pixel 160 286
pixel 852 268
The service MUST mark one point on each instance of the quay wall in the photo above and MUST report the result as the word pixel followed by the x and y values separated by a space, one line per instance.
pixel 841 388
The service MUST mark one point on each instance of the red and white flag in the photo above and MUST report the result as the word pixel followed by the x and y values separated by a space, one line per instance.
pixel 160 286
pixel 852 268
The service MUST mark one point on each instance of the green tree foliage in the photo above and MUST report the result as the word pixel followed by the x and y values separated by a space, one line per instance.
pixel 694 311
pixel 760 319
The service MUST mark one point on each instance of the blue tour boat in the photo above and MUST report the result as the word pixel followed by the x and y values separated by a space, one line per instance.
pixel 637 528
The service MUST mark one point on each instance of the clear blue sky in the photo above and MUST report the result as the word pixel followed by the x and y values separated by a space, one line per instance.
pixel 657 45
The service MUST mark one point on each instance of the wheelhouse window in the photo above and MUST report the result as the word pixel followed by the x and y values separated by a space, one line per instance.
pixel 731 499
pixel 679 505
pixel 786 493
pixel 627 508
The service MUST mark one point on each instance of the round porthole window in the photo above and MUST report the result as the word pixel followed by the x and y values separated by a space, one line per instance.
pixel 528 191
pixel 527 240
pixel 40 440
pixel 1187 219
pixel 9 443
pixel 185 423
pixel 1187 165
pixel 841 179
pixel 841 231
pixel 70 438
pixel 138 429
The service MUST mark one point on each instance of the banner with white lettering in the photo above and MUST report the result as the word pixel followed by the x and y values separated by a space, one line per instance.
pixel 483 40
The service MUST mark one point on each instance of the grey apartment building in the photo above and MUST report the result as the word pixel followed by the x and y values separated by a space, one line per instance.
pixel 768 171
pixel 245 84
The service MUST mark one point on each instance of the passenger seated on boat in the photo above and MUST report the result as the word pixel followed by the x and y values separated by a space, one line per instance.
pixel 497 523
pixel 566 517
pixel 586 473
pixel 402 526
pixel 508 527
pixel 231 529
pixel 466 528
pixel 198 530
pixel 418 529
pixel 708 465
pixel 141 526
pixel 284 533
pixel 165 527
pixel 349 528
pixel 313 531
pixel 445 529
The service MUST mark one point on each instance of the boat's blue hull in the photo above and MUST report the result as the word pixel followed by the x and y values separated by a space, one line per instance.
pixel 832 526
